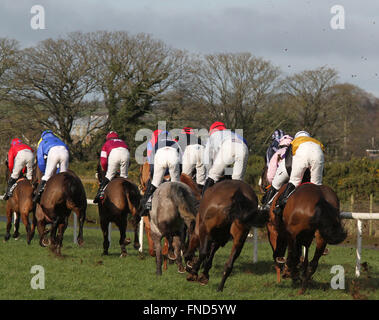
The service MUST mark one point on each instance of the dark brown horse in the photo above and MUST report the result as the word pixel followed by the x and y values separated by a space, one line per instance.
pixel 228 209
pixel 64 192
pixel 22 204
pixel 121 197
pixel 311 211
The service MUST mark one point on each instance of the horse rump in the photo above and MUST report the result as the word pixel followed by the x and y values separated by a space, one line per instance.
pixel 246 211
pixel 327 220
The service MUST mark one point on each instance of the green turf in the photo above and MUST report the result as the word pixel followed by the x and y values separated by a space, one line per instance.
pixel 82 273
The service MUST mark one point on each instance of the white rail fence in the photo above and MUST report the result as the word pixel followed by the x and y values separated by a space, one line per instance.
pixel 359 216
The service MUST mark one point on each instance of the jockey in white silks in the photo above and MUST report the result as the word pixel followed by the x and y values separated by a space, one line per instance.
pixel 224 148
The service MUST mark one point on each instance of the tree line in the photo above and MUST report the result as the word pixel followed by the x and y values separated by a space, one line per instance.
pixel 118 81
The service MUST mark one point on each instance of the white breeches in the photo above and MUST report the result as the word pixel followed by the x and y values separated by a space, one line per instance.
pixel 308 155
pixel 118 159
pixel 57 157
pixel 22 159
pixel 281 175
pixel 193 158
pixel 166 157
pixel 231 152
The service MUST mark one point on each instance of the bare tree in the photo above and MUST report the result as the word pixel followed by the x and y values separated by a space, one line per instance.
pixel 132 73
pixel 309 94
pixel 53 81
pixel 233 87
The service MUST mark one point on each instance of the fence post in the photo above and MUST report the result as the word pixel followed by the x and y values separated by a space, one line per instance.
pixel 255 250
pixel 359 248
pixel 140 236
pixel 75 227
pixel 370 233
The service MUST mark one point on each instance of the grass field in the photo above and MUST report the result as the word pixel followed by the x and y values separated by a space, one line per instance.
pixel 82 273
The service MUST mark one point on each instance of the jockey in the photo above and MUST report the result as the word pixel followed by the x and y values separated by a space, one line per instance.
pixel 306 153
pixel 192 155
pixel 274 146
pixel 51 152
pixel 277 172
pixel 165 154
pixel 19 156
pixel 224 148
pixel 114 155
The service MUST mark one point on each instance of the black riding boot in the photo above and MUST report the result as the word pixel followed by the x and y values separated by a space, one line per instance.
pixel 269 195
pixel 9 192
pixel 100 192
pixel 283 198
pixel 145 204
pixel 39 191
pixel 208 183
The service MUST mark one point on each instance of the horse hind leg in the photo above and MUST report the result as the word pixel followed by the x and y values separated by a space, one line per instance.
pixel 9 223
pixel 25 221
pixel 122 227
pixel 204 277
pixel 104 223
pixel 203 252
pixel 81 214
pixel 59 241
pixel 16 232
pixel 320 248
pixel 177 244
pixel 239 234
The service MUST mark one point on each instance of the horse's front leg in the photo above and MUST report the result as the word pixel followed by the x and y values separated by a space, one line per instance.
pixel 9 213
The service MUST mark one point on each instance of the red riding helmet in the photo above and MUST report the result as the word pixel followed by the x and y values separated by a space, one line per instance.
pixel 112 135
pixel 187 130
pixel 217 126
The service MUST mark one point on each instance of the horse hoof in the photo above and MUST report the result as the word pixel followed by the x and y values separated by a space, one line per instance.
pixel 136 245
pixel 123 255
pixel 280 260
pixel 172 257
pixel 127 241
pixel 189 265
pixel 7 237
pixel 46 243
pixel 192 277
pixel 326 252
pixel 181 269
pixel 203 280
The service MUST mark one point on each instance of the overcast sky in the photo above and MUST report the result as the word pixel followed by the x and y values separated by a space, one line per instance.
pixel 293 34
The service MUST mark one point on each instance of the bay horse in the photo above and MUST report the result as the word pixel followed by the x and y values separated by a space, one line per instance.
pixel 312 211
pixel 64 192
pixel 22 204
pixel 121 197
pixel 174 208
pixel 228 210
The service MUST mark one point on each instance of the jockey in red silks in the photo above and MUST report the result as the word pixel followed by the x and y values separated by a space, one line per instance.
pixel 20 155
pixel 114 156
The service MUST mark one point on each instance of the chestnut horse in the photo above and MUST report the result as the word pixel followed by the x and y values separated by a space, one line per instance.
pixel 311 211
pixel 121 197
pixel 22 204
pixel 64 192
pixel 228 209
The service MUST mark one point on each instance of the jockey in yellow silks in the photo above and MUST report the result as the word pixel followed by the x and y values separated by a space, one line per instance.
pixel 307 153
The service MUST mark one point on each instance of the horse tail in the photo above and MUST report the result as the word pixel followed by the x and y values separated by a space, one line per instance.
pixel 187 203
pixel 327 220
pixel 75 190
pixel 246 210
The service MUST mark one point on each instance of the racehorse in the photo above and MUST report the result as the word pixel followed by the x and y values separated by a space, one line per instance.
pixel 144 177
pixel 121 197
pixel 22 204
pixel 64 192
pixel 311 211
pixel 228 209
pixel 174 208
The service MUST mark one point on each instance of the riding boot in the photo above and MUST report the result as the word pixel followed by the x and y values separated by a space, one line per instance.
pixel 39 191
pixel 283 198
pixel 200 186
pixel 9 192
pixel 100 192
pixel 208 183
pixel 267 198
pixel 146 201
